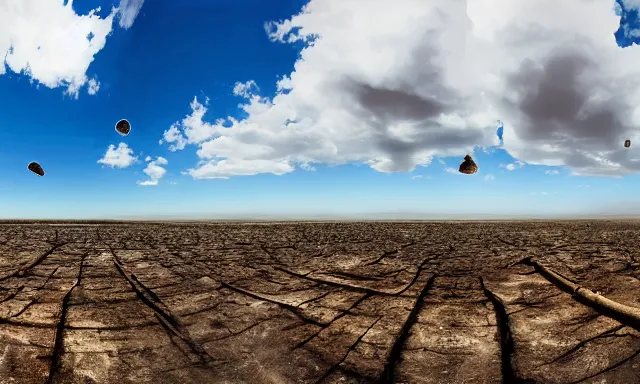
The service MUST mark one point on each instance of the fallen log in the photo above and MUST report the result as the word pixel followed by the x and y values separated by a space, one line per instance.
pixel 588 295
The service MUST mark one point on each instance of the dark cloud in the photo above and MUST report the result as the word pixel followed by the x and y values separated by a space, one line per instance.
pixel 390 104
pixel 556 101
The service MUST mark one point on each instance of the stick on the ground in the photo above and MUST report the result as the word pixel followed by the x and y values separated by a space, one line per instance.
pixel 587 294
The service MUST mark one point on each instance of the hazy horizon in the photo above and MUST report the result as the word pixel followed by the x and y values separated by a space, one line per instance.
pixel 381 216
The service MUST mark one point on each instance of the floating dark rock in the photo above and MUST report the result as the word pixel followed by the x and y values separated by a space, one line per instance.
pixel 627 143
pixel 36 168
pixel 123 127
pixel 468 166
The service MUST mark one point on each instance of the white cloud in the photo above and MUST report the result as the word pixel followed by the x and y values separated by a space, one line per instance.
pixel 223 169
pixel 551 172
pixel 510 167
pixel 50 43
pixel 154 170
pixel 128 11
pixel 93 87
pixel 307 167
pixel 191 130
pixel 489 177
pixel 432 80
pixel 451 170
pixel 558 84
pixel 375 104
pixel 118 157
pixel 246 89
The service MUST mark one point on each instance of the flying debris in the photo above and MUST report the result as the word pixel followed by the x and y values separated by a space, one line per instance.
pixel 123 127
pixel 36 168
pixel 627 143
pixel 468 166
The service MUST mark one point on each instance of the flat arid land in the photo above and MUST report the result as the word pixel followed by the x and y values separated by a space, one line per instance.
pixel 371 302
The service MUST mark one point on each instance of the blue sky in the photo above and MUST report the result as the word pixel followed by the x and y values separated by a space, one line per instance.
pixel 377 157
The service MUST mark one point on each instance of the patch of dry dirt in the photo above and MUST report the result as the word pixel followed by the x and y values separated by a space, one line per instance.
pixel 317 302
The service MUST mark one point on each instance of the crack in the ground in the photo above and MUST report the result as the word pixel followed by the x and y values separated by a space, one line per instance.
pixel 292 308
pixel 357 288
pixel 584 342
pixel 58 346
pixel 147 290
pixel 13 294
pixel 507 348
pixel 351 348
pixel 311 300
pixel 388 374
pixel 48 279
pixel 232 334
pixel 337 317
pixel 167 320
pixel 608 369
pixel 389 253
pixel 21 311
pixel 21 272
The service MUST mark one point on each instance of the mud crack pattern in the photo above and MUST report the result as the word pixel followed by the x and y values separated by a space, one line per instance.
pixel 318 303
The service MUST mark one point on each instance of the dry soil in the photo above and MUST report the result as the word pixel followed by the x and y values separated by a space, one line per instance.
pixel 317 302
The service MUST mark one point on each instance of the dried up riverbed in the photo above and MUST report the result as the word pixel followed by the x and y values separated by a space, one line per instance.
pixel 321 302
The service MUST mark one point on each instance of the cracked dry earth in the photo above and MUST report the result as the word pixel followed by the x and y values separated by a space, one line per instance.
pixel 317 302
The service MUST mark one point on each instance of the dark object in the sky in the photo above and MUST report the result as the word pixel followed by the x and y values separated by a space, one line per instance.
pixel 627 143
pixel 123 127
pixel 468 166
pixel 36 168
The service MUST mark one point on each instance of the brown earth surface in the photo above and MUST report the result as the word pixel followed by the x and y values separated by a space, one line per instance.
pixel 345 302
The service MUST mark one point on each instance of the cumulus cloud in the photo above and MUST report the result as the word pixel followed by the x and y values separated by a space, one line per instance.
pixel 393 85
pixel 391 104
pixel 154 170
pixel 245 89
pixel 551 172
pixel 566 91
pixel 128 11
pixel 93 87
pixel 50 43
pixel 118 157
pixel 489 177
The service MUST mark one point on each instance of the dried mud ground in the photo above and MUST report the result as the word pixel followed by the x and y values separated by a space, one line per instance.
pixel 317 302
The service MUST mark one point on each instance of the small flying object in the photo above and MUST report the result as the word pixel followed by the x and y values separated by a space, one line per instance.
pixel 123 127
pixel 36 168
pixel 468 166
pixel 627 143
